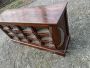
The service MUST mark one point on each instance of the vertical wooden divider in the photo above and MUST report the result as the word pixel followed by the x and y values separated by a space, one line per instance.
pixel 55 36
pixel 35 33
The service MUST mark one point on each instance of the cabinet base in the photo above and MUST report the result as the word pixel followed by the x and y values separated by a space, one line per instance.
pixel 59 52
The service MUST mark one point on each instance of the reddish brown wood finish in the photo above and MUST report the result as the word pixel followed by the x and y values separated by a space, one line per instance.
pixel 52 18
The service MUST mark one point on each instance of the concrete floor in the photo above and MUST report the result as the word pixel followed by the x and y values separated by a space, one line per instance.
pixel 14 56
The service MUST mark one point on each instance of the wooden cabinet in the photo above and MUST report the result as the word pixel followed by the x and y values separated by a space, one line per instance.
pixel 43 27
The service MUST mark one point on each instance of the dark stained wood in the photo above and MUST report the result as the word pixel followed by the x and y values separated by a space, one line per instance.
pixel 37 15
pixel 53 17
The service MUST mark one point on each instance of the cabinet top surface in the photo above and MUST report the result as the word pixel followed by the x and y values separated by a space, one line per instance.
pixel 39 15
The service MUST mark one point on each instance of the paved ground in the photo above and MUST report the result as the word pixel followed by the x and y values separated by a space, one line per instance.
pixel 14 56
